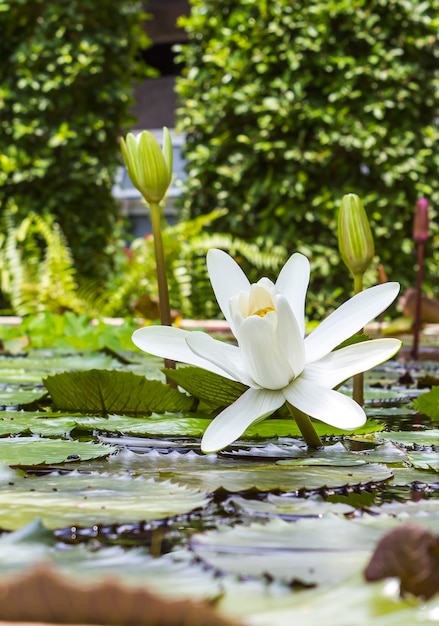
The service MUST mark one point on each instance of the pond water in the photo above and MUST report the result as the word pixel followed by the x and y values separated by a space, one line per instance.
pixel 266 531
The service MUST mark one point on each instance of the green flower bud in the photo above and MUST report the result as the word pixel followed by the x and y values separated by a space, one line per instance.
pixel 355 240
pixel 149 166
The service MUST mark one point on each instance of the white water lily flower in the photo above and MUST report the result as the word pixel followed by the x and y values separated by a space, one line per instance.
pixel 273 357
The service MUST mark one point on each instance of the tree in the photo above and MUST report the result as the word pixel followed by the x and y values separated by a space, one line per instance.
pixel 288 105
pixel 67 69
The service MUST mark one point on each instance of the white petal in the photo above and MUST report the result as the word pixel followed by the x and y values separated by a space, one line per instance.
pixel 325 405
pixel 292 282
pixel 227 280
pixel 170 343
pixel 262 356
pixel 252 406
pixel 289 335
pixel 221 354
pixel 340 365
pixel 348 319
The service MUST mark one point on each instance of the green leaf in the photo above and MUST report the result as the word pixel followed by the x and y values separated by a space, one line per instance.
pixel 33 451
pixel 428 403
pixel 86 499
pixel 210 473
pixel 38 423
pixel 313 551
pixel 411 438
pixel 214 389
pixel 174 576
pixel 111 391
pixel 21 397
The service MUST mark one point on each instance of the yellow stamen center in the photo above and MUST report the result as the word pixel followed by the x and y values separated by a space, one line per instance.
pixel 263 312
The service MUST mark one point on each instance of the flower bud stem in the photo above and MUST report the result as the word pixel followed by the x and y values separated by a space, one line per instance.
pixel 164 306
pixel 305 426
pixel 358 380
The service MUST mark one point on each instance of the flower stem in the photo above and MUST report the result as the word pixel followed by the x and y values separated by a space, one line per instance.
pixel 358 380
pixel 164 306
pixel 305 426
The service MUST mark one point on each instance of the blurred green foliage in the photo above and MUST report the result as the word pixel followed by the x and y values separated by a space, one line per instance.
pixel 66 75
pixel 287 106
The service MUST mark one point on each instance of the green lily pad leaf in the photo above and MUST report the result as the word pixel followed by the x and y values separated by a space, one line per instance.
pixel 187 424
pixel 428 403
pixel 339 455
pixel 112 391
pixel 34 451
pixel 172 575
pixel 214 389
pixel 425 460
pixel 21 397
pixel 33 368
pixel 20 376
pixel 314 551
pixel 210 473
pixel 408 475
pixel 87 499
pixel 336 455
pixel 289 507
pixel 409 439
pixel 173 425
pixel 35 422
pixel 344 604
pixel 410 512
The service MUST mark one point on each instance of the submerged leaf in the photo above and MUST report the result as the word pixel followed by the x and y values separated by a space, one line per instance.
pixel 112 391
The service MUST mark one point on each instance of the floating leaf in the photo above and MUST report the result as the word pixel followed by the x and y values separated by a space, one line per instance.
pixel 36 422
pixel 425 460
pixel 210 473
pixel 76 499
pixel 313 551
pixel 287 507
pixel 174 575
pixel 21 397
pixel 112 391
pixel 43 595
pixel 412 438
pixel 33 451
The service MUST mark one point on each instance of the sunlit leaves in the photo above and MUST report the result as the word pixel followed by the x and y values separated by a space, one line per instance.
pixel 106 392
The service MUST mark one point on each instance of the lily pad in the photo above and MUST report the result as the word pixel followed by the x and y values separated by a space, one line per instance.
pixel 289 507
pixel 172 575
pixel 412 438
pixel 35 422
pixel 210 473
pixel 27 451
pixel 76 499
pixel 112 391
pixel 21 397
pixel 313 551
pixel 425 460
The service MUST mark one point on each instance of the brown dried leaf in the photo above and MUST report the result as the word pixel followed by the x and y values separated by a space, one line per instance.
pixel 44 595
pixel 410 553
